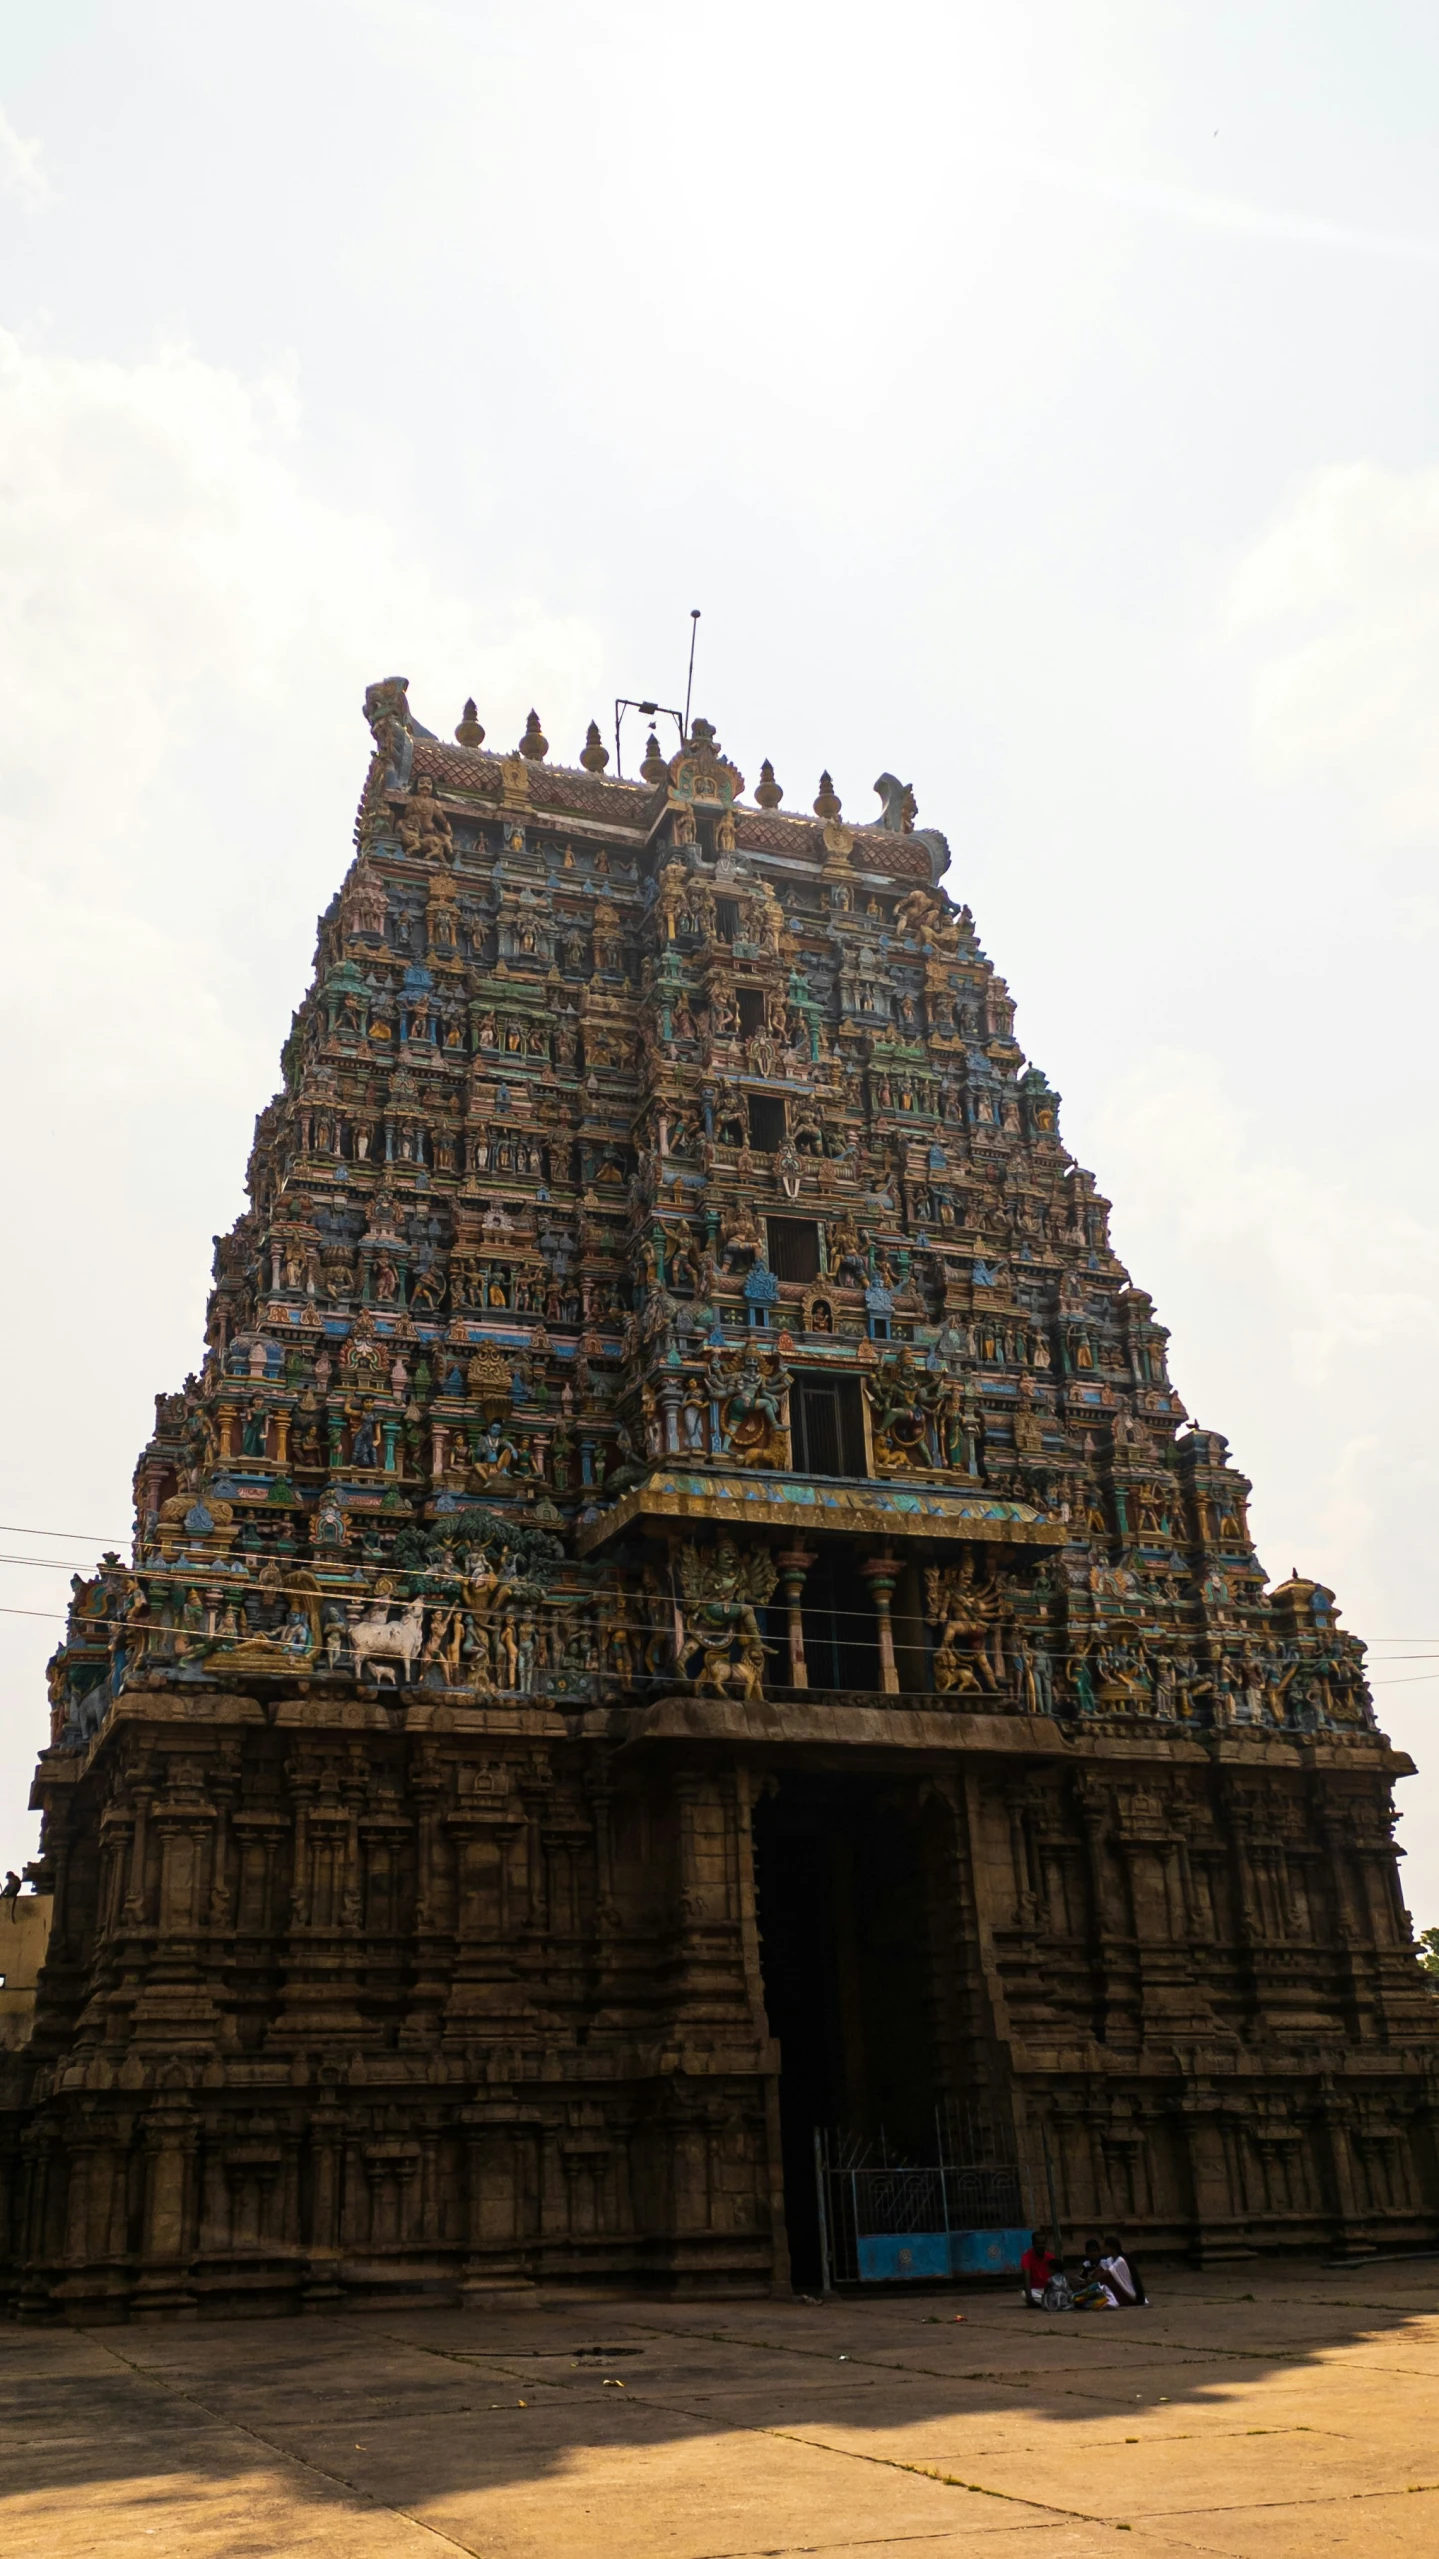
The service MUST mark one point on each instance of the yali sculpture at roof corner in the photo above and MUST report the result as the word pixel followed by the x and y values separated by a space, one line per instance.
pixel 672 1397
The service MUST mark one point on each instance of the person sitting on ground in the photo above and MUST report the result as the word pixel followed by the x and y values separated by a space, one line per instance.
pixel 1057 2295
pixel 1122 2274
pixel 1036 2266
pixel 1093 2291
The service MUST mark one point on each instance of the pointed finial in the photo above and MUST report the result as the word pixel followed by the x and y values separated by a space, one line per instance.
pixel 827 803
pixel 767 790
pixel 534 743
pixel 469 731
pixel 594 754
pixel 654 767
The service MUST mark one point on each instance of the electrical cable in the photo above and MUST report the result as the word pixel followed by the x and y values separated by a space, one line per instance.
pixel 640 1625
pixel 638 1621
pixel 121 1538
pixel 47 1563
pixel 635 1623
pixel 82 1537
pixel 70 1564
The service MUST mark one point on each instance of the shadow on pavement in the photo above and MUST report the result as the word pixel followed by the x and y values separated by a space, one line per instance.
pixel 394 2415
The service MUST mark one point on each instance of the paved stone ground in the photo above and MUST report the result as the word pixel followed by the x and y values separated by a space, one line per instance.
pixel 1259 2415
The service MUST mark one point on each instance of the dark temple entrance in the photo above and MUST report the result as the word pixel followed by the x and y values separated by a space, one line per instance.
pixel 845 1869
pixel 841 1630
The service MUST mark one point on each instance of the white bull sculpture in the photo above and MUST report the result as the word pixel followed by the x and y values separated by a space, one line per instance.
pixel 383 1641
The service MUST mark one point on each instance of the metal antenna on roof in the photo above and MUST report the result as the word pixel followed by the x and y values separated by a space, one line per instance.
pixel 689 682
pixel 650 711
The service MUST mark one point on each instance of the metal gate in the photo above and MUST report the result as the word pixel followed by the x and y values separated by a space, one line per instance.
pixel 884 2218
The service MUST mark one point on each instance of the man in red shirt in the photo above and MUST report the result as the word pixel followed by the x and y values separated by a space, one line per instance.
pixel 1036 2266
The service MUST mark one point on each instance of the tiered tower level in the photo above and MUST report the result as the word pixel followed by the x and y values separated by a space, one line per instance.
pixel 681 1608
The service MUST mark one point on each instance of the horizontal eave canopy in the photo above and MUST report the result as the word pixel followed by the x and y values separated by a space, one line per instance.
pixel 806 1504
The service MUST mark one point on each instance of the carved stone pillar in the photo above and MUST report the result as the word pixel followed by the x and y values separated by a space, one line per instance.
pixel 38 2219
pixel 171 2134
pixel 882 1572
pixel 1336 2114
pixel 133 1908
pixel 794 1564
pixel 495 2205
pixel 82 2151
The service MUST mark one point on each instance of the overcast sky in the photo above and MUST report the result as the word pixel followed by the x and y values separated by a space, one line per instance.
pixel 1039 401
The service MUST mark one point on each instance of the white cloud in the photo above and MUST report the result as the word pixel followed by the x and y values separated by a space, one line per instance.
pixel 1340 598
pixel 1208 210
pixel 22 168
pixel 1301 1298
pixel 186 628
pixel 177 590
pixel 1298 1284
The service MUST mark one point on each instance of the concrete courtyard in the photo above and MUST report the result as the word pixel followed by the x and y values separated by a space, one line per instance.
pixel 1267 2415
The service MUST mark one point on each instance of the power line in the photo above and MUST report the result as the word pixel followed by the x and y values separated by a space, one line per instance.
pixel 55 1564
pixel 47 1563
pixel 633 1622
pixel 221 1577
pixel 82 1537
pixel 121 1538
pixel 640 1622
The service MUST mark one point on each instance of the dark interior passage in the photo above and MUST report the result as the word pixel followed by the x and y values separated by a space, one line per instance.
pixel 793 1247
pixel 845 1942
pixel 841 1630
pixel 826 1424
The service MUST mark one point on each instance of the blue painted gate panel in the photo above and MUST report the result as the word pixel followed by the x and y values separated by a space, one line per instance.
pixel 892 2255
pixel 987 2252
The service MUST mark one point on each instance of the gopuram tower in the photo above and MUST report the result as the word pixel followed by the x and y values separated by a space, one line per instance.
pixel 679 1637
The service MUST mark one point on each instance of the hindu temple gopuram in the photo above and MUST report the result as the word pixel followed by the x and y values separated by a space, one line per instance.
pixel 679 1640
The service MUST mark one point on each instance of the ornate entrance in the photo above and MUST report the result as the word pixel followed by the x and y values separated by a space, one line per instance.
pixel 849 1882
